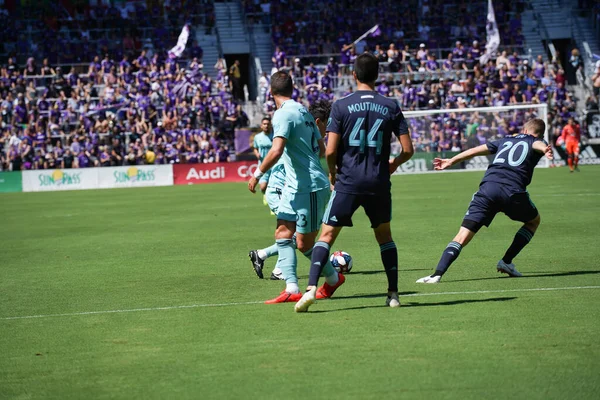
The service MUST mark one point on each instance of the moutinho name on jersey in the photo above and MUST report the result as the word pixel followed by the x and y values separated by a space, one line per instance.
pixel 368 106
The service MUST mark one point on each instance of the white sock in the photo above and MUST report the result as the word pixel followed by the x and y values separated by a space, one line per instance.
pixel 332 279
pixel 276 271
pixel 261 254
pixel 292 287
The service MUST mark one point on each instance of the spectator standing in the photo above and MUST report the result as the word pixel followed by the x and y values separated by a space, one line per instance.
pixel 235 75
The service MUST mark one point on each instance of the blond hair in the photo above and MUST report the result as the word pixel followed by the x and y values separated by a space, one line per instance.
pixel 535 126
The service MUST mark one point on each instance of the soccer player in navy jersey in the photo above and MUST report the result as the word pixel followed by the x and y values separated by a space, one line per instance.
pixel 360 130
pixel 502 189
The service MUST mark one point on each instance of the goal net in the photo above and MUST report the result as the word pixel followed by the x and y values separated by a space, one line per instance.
pixel 445 133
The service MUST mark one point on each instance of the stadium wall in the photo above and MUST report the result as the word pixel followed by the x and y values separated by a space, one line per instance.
pixel 190 174
pixel 11 182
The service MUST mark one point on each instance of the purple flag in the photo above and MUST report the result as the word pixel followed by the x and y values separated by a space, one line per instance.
pixel 376 32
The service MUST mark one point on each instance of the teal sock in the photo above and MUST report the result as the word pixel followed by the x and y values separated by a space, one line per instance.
pixel 273 250
pixel 330 274
pixel 287 260
pixel 267 252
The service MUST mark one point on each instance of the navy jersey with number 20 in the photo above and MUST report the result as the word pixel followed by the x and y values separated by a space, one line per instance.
pixel 514 162
pixel 366 121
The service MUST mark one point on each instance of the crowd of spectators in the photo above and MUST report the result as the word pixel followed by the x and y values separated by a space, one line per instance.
pixel 129 104
pixel 457 82
pixel 115 114
pixel 148 109
pixel 78 33
pixel 429 59
pixel 316 27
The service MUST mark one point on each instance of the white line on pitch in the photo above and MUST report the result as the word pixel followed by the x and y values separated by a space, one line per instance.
pixel 566 194
pixel 261 302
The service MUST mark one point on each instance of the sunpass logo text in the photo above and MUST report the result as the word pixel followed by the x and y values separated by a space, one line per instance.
pixel 59 177
pixel 134 175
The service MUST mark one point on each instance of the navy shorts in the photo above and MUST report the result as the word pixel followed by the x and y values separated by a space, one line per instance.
pixel 492 199
pixel 342 206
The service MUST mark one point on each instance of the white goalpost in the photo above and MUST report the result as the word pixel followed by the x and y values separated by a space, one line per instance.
pixel 446 132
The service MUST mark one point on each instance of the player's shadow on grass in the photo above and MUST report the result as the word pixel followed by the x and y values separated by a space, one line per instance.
pixel 454 302
pixel 535 275
pixel 374 272
pixel 401 270
pixel 368 296
pixel 414 304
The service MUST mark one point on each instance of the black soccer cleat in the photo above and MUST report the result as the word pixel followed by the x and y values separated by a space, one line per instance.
pixel 257 263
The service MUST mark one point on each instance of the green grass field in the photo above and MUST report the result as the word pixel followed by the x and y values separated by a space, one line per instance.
pixel 148 294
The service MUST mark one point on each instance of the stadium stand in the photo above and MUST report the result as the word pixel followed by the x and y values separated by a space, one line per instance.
pixel 92 79
pixel 120 102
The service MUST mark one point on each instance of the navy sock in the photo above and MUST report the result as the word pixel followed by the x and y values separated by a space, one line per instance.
pixel 522 238
pixel 450 254
pixel 389 257
pixel 320 255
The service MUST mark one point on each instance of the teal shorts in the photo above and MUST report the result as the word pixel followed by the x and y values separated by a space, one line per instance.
pixel 273 197
pixel 265 177
pixel 306 209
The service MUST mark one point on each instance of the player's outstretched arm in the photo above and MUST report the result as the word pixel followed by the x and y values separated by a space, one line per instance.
pixel 543 148
pixel 443 163
pixel 270 160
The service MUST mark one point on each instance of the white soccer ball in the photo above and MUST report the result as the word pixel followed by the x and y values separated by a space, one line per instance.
pixel 341 261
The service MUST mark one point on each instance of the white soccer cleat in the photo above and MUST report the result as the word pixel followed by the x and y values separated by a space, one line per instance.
pixel 508 269
pixel 277 274
pixel 392 301
pixel 308 298
pixel 430 279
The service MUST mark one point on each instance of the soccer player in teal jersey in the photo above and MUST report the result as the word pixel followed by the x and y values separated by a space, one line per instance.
pixel 297 140
pixel 360 131
pixel 262 144
pixel 320 111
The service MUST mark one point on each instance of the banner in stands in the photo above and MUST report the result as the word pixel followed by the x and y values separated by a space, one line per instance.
pixel 135 176
pixel 243 138
pixel 60 179
pixel 189 174
pixel 11 182
pixel 588 155
pixel 592 121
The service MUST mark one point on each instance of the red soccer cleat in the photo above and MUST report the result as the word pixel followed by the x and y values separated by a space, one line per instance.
pixel 285 297
pixel 326 291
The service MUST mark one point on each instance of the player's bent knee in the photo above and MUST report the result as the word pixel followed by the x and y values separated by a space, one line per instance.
pixel 328 234
pixel 305 242
pixel 285 230
pixel 534 223
pixel 383 233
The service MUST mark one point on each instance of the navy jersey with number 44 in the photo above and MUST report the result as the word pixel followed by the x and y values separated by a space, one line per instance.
pixel 514 161
pixel 366 121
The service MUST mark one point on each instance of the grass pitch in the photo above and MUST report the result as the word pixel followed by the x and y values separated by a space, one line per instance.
pixel 148 294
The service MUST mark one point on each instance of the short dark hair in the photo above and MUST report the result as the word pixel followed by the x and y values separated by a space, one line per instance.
pixel 366 67
pixel 320 109
pixel 537 126
pixel 281 84
pixel 265 118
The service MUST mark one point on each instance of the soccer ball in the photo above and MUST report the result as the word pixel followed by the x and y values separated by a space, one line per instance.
pixel 341 261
